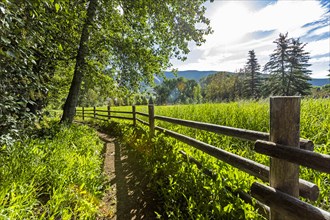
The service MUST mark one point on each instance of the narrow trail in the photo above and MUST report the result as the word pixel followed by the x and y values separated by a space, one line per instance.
pixel 128 195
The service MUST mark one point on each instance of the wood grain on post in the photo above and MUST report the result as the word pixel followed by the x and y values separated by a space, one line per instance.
pixel 151 118
pixel 109 113
pixel 134 115
pixel 284 129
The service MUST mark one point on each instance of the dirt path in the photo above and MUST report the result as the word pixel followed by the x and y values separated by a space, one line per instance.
pixel 128 195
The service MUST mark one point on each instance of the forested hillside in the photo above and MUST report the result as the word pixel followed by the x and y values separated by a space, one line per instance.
pixel 197 75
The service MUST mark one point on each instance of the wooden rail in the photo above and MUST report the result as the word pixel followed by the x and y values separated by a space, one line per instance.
pixel 306 189
pixel 229 131
pixel 288 206
pixel 316 161
pixel 142 114
pixel 283 145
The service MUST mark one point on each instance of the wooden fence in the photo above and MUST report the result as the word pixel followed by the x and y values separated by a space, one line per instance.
pixel 280 200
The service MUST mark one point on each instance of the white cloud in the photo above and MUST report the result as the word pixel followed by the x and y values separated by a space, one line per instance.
pixel 320 59
pixel 318 47
pixel 228 47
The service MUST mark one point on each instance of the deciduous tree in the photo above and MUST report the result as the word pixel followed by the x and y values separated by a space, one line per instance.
pixel 135 40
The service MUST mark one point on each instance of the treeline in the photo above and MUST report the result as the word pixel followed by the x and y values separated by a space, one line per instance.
pixel 285 74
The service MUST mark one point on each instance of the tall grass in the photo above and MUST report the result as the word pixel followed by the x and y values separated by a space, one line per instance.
pixel 57 176
pixel 315 126
pixel 186 180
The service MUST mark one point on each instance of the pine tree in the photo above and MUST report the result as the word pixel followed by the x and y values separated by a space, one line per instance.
pixel 298 73
pixel 252 81
pixel 288 68
pixel 278 66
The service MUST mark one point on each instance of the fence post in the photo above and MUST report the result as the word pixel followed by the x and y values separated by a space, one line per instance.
pixel 284 129
pixel 151 117
pixel 134 115
pixel 109 113
pixel 94 108
pixel 83 112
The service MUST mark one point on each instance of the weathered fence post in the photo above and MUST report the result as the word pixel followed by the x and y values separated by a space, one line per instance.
pixel 134 115
pixel 109 113
pixel 94 108
pixel 151 117
pixel 83 112
pixel 284 129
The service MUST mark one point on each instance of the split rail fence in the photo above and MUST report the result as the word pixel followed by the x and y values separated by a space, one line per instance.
pixel 287 150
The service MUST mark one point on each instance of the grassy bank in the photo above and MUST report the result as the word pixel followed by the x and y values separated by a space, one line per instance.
pixel 56 176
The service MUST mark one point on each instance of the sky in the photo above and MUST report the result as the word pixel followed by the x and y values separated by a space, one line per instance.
pixel 240 26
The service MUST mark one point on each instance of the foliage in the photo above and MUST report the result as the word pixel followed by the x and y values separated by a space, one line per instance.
pixel 252 81
pixel 321 92
pixel 178 90
pixel 133 40
pixel 32 43
pixel 219 87
pixel 288 68
pixel 57 176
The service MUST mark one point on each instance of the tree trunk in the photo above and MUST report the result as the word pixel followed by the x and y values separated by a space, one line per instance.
pixel 72 99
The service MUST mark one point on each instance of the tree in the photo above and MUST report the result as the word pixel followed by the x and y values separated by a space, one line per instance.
pixel 219 87
pixel 72 99
pixel 252 81
pixel 298 75
pixel 197 94
pixel 178 90
pixel 277 66
pixel 239 87
pixel 288 68
pixel 135 39
pixel 38 42
pixel 27 60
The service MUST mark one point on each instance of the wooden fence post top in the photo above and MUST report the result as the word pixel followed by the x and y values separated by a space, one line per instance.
pixel 151 117
pixel 134 115
pixel 151 102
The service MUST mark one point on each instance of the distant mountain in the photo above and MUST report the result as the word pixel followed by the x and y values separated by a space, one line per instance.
pixel 319 82
pixel 197 75
pixel 188 74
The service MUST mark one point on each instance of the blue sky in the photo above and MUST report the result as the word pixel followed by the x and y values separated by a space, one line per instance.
pixel 240 26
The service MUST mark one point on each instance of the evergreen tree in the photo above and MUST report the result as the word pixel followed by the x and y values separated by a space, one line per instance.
pixel 278 66
pixel 288 68
pixel 298 73
pixel 252 81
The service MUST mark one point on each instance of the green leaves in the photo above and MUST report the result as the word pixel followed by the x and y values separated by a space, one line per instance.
pixel 60 47
pixel 57 7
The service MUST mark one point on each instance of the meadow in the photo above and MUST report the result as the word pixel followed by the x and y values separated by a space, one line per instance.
pixel 253 115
